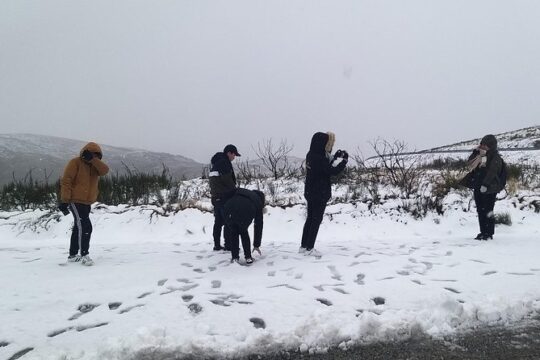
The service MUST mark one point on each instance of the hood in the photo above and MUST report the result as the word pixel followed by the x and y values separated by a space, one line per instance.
pixel 490 141
pixel 318 142
pixel 218 157
pixel 92 147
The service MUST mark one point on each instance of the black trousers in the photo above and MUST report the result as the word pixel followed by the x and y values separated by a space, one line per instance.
pixel 82 229
pixel 219 222
pixel 239 231
pixel 484 207
pixel 315 213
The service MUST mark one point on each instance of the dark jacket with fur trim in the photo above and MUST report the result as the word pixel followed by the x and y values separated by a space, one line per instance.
pixel 79 184
pixel 244 207
pixel 488 175
pixel 319 170
pixel 222 178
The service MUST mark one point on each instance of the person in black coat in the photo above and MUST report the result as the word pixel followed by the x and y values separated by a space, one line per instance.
pixel 222 187
pixel 244 207
pixel 485 164
pixel 321 165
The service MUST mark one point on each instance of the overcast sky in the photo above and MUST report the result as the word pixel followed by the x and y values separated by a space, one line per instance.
pixel 188 77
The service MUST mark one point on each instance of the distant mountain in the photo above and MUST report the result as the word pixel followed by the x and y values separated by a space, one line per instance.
pixel 46 157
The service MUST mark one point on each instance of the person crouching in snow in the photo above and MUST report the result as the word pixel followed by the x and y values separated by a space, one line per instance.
pixel 239 211
pixel 320 165
pixel 485 165
pixel 79 190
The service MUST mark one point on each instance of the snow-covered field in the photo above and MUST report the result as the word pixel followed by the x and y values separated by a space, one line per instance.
pixel 158 285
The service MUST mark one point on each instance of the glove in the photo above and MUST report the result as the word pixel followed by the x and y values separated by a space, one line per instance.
pixel 257 250
pixel 338 154
pixel 63 207
pixel 483 189
pixel 345 155
pixel 87 155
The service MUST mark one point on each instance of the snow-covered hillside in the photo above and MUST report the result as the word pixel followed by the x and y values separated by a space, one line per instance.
pixel 517 139
pixel 158 287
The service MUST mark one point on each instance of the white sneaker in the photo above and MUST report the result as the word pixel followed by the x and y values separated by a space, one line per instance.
pixel 313 252
pixel 302 250
pixel 86 260
pixel 74 258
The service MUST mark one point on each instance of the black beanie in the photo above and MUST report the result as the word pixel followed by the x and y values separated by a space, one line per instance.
pixel 490 141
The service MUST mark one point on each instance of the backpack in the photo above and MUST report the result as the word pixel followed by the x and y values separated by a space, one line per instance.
pixel 503 175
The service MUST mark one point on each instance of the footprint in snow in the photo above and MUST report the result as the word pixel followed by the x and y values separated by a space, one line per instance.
pixel 324 301
pixel 86 327
pixel 83 309
pixel 452 290
pixel 417 282
pixel 489 272
pixel 212 268
pixel 187 297
pixel 360 279
pixel 270 263
pixel 144 295
pixel 216 284
pixel 271 273
pixel 187 265
pixel 403 272
pixel 335 274
pixel 341 291
pixel 258 323
pixel 162 282
pixel 479 261
pixel 195 308
pixel 298 276
pixel 20 354
pixel 129 308
pixel 3 343
pixel 185 281
pixel 520 273
pixel 354 264
pixel 379 300
pixel 114 305
pixel 59 331
pixel 199 270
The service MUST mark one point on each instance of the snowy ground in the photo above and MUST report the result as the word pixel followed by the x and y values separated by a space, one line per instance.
pixel 157 284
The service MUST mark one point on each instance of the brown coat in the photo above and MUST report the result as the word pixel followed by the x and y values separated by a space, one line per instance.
pixel 79 183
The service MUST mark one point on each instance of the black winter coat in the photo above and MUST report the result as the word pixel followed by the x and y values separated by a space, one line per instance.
pixel 244 207
pixel 319 170
pixel 488 175
pixel 222 178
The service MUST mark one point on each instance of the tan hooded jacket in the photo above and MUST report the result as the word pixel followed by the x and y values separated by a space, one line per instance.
pixel 79 183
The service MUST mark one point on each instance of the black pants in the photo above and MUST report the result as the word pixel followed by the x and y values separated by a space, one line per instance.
pixel 219 222
pixel 239 231
pixel 82 229
pixel 484 207
pixel 315 213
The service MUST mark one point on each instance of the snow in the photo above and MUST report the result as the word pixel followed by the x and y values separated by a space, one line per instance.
pixel 176 294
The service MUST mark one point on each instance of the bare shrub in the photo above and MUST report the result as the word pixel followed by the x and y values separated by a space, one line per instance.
pixel 399 164
pixel 274 157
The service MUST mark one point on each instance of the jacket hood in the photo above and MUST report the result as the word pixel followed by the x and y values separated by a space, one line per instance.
pixel 318 142
pixel 490 141
pixel 92 147
pixel 218 156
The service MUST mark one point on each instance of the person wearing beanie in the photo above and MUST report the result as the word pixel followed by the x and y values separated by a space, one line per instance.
pixel 320 166
pixel 78 191
pixel 222 187
pixel 244 207
pixel 485 165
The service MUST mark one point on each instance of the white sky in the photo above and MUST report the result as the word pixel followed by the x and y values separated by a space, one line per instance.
pixel 188 77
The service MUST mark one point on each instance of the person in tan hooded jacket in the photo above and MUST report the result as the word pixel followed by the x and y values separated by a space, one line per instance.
pixel 79 190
